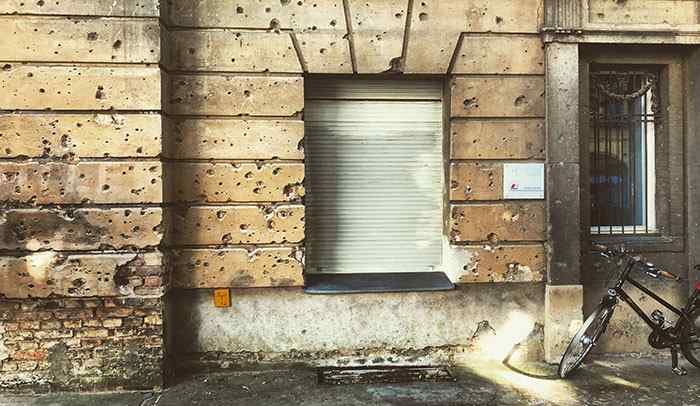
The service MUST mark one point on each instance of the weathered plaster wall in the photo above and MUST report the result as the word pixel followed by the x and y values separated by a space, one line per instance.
pixel 81 276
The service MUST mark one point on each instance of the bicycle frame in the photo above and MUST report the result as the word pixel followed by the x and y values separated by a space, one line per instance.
pixel 667 334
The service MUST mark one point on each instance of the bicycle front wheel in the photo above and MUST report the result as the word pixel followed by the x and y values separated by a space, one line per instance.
pixel 586 338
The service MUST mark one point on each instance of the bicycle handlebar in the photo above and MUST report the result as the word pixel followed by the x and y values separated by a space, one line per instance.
pixel 649 268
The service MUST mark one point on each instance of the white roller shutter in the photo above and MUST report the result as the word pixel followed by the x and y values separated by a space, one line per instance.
pixel 374 175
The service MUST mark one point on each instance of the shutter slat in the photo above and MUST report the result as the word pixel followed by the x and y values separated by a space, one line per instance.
pixel 374 163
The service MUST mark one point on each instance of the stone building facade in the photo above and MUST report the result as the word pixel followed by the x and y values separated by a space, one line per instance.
pixel 150 153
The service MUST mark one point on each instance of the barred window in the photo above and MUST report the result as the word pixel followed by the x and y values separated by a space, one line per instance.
pixel 625 114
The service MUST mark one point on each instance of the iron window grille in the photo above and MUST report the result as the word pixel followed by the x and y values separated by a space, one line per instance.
pixel 624 116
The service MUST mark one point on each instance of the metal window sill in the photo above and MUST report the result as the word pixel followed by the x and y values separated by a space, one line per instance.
pixel 332 284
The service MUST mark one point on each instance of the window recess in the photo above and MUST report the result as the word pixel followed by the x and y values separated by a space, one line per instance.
pixel 625 114
pixel 374 177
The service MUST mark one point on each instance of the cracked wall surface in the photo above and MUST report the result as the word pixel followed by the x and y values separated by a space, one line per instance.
pixel 82 278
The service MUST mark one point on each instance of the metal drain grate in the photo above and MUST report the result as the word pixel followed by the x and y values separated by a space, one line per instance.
pixel 383 374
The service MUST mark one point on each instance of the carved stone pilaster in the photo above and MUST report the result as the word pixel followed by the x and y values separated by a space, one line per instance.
pixel 563 14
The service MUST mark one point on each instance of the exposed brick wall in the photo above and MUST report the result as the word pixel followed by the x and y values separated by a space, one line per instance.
pixel 81 343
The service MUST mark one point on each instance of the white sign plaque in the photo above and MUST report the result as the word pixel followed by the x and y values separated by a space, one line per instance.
pixel 523 181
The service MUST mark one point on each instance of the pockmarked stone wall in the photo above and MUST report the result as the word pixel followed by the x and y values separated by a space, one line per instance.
pixel 234 149
pixel 82 278
pixel 234 144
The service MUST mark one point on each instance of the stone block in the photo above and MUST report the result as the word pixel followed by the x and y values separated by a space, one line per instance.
pixel 237 225
pixel 663 12
pixel 500 54
pixel 505 16
pixel 295 15
pixel 502 263
pixel 82 182
pixel 233 51
pixel 47 273
pixel 115 8
pixel 319 27
pixel 236 95
pixel 327 52
pixel 80 229
pixel 563 316
pixel 237 268
pixel 433 36
pixel 476 181
pixel 28 87
pixel 234 139
pixel 498 97
pixel 80 135
pixel 522 221
pixel 80 40
pixel 231 182
pixel 377 31
pixel 511 139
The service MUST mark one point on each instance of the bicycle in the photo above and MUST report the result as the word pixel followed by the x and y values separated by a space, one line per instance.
pixel 683 335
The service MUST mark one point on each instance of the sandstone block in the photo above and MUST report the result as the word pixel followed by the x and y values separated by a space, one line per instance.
pixel 237 268
pixel 498 97
pixel 72 183
pixel 80 135
pixel 511 139
pixel 236 95
pixel 234 139
pixel 238 225
pixel 498 222
pixel 80 229
pixel 224 182
pixel 28 87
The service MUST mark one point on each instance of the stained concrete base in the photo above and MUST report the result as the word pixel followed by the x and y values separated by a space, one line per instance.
pixel 285 324
pixel 563 308
pixel 606 381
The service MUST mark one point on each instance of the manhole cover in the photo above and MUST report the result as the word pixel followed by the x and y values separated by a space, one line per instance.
pixel 384 374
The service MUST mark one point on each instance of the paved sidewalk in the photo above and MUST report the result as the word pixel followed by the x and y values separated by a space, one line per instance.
pixel 609 381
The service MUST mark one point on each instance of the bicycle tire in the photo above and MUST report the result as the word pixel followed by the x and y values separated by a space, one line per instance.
pixel 597 322
pixel 690 334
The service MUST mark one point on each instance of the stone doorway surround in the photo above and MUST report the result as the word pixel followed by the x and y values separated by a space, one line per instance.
pixel 570 24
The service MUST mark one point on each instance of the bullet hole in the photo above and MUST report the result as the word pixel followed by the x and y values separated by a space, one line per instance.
pixel 117 44
pixel 65 140
pixel 246 93
pixel 191 51
pixel 78 282
pixel 471 103
pixel 275 25
pixel 40 3
pixel 105 187
pixel 221 214
pixel 322 51
pixel 239 10
pixel 499 20
pixel 423 16
pixel 268 9
pixel 243 227
pixel 398 15
pixel 6 67
pixel 333 23
pixel 226 239
pixel 42 91
pixel 99 94
pixel 285 2
pixel 520 100
pixel 492 238
pixel 92 36
pixel 454 184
